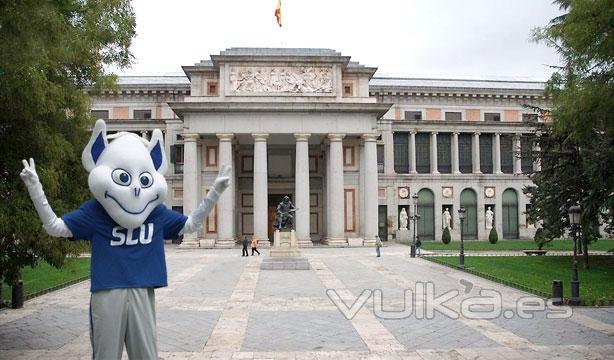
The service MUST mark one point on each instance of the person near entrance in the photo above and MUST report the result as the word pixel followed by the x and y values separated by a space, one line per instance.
pixel 244 242
pixel 378 245
pixel 255 245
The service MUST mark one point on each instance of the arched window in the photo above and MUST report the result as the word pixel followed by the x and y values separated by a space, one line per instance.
pixel 510 214
pixel 469 200
pixel 426 210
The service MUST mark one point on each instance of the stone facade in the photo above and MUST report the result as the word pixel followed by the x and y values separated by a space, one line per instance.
pixel 311 124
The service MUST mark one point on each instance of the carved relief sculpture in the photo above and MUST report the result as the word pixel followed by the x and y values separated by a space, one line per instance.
pixel 262 79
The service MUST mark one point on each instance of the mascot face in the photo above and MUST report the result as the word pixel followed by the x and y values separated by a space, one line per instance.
pixel 127 175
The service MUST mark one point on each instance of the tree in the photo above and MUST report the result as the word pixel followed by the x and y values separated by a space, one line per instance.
pixel 493 237
pixel 577 148
pixel 50 51
pixel 445 236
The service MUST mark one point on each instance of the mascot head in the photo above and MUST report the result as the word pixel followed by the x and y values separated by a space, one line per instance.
pixel 126 175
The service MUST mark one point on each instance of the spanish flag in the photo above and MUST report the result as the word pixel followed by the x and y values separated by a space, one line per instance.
pixel 278 12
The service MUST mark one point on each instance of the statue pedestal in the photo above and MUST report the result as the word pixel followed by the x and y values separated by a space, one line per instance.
pixel 404 236
pixel 284 253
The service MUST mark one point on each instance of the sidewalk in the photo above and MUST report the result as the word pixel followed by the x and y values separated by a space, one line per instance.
pixel 221 305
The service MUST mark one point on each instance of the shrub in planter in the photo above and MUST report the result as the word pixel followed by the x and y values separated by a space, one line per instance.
pixel 493 237
pixel 445 237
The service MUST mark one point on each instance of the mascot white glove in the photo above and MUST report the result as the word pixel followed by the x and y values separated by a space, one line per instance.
pixel 51 223
pixel 220 184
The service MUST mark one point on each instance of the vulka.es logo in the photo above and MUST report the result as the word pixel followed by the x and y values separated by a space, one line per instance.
pixel 423 304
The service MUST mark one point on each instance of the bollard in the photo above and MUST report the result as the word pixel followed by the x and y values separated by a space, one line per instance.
pixel 557 292
pixel 17 295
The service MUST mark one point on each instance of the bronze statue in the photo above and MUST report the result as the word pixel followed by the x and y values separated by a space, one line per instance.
pixel 284 220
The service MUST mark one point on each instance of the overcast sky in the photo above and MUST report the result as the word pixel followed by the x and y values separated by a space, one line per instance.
pixel 419 38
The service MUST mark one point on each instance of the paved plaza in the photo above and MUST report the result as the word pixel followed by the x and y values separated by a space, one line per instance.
pixel 220 305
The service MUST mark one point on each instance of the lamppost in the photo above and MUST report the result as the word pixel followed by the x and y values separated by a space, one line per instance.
pixel 414 218
pixel 574 213
pixel 461 215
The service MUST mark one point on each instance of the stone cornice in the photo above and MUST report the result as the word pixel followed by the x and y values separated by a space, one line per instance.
pixel 182 108
pixel 461 126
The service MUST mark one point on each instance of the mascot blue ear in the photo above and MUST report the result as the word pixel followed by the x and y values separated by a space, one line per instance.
pixel 94 148
pixel 156 151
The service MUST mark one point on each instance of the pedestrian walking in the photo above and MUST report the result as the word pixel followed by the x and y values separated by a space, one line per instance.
pixel 244 242
pixel 255 245
pixel 378 245
pixel 418 245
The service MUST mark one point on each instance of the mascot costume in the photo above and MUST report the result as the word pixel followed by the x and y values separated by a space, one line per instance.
pixel 126 223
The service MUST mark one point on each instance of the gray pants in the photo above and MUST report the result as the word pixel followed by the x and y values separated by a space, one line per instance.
pixel 123 315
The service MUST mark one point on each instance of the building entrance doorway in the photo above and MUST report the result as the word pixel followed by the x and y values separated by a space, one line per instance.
pixel 274 200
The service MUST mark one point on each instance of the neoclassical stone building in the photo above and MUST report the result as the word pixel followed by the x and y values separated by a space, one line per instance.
pixel 350 149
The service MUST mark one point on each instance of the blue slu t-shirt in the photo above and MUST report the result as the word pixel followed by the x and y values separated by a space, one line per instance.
pixel 124 258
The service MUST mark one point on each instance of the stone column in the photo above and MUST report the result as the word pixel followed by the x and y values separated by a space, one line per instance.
pixel 191 193
pixel 226 203
pixel 434 169
pixel 412 152
pixel 261 190
pixel 301 181
pixel 327 203
pixel 537 165
pixel 476 153
pixel 497 153
pixel 455 169
pixel 336 235
pixel 388 152
pixel 370 189
pixel 517 155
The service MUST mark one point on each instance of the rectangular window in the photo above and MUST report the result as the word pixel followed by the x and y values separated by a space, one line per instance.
pixel 530 118
pixel 507 154
pixel 413 115
pixel 313 164
pixel 526 154
pixel 141 114
pixel 401 152
pixel 211 156
pixel 212 89
pixel 100 114
pixel 177 157
pixel 486 165
pixel 348 156
pixel 453 116
pixel 347 90
pixel 380 159
pixel 423 153
pixel 492 116
pixel 350 209
pixel 465 157
pixel 444 157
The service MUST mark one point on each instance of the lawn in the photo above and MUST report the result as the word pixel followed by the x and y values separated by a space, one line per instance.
pixel 601 244
pixel 45 276
pixel 537 272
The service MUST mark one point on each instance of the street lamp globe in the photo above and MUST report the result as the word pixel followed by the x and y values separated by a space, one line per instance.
pixel 574 213
pixel 462 213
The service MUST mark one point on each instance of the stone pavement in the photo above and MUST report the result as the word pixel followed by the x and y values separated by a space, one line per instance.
pixel 220 305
